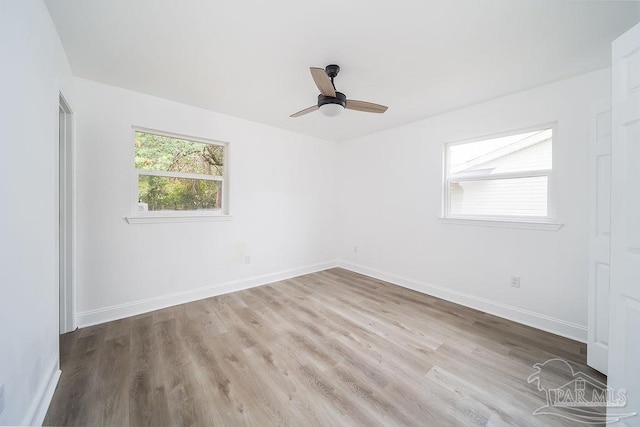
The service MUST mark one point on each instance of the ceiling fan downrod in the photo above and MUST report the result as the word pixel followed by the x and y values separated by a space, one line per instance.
pixel 332 71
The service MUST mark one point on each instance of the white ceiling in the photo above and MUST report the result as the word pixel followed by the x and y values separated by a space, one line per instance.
pixel 251 58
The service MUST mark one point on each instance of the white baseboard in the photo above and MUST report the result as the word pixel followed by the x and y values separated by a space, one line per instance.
pixel 40 404
pixel 121 311
pixel 539 321
pixel 529 318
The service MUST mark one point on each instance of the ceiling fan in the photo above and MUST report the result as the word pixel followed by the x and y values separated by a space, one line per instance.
pixel 330 101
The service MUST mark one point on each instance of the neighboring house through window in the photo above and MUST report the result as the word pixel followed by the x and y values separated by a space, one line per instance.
pixel 502 178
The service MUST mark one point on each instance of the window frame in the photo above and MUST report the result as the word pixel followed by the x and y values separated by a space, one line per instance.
pixel 548 222
pixel 137 216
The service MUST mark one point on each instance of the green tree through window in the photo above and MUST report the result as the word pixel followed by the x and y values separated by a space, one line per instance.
pixel 178 174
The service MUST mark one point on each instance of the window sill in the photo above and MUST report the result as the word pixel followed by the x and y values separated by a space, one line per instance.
pixel 531 225
pixel 176 218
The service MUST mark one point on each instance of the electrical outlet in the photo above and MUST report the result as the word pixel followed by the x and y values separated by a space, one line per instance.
pixel 247 259
pixel 355 249
pixel 515 281
pixel 1 398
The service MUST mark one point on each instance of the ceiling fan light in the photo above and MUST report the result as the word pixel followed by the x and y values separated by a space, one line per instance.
pixel 331 110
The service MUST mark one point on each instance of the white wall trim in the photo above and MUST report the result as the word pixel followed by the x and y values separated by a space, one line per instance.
pixel 121 311
pixel 536 320
pixel 480 222
pixel 172 218
pixel 66 199
pixel 40 405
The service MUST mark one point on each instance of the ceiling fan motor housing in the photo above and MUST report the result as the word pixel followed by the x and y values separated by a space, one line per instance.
pixel 339 99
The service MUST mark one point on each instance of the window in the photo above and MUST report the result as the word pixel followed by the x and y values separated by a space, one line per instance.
pixel 503 178
pixel 176 174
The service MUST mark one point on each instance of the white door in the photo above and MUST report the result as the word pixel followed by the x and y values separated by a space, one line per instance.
pixel 624 331
pixel 599 236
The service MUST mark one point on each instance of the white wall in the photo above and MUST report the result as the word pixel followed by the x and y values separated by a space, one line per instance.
pixel 33 69
pixel 391 196
pixel 282 200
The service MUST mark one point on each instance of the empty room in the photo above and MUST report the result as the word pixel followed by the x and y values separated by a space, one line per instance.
pixel 354 213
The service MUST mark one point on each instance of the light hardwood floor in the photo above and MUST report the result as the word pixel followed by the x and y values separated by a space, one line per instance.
pixel 330 348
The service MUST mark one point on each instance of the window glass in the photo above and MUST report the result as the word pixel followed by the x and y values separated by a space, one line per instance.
pixel 503 176
pixel 178 174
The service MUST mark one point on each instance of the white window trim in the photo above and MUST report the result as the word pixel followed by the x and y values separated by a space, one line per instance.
pixel 153 217
pixel 193 216
pixel 549 222
pixel 504 175
pixel 179 175
pixel 518 222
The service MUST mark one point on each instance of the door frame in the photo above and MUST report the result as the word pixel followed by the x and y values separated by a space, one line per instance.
pixel 599 240
pixel 67 218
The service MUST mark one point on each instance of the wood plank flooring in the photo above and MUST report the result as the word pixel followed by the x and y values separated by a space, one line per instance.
pixel 330 348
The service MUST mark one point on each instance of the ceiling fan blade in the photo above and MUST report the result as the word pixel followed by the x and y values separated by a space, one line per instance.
pixel 305 111
pixel 367 107
pixel 323 81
